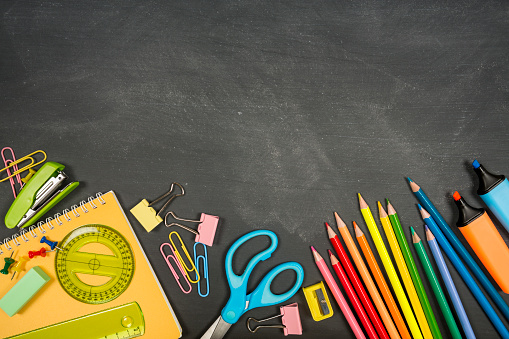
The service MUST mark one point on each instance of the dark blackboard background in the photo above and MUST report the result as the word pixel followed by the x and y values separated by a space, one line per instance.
pixel 272 114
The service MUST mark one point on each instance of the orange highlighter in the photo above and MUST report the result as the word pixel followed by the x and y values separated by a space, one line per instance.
pixel 477 227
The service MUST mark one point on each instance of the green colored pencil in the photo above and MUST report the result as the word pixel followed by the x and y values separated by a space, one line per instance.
pixel 419 287
pixel 435 285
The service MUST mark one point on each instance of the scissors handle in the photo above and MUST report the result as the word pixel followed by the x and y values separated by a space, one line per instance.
pixel 263 296
pixel 236 281
pixel 239 301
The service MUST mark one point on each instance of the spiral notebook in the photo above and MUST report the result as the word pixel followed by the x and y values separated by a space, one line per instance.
pixel 53 304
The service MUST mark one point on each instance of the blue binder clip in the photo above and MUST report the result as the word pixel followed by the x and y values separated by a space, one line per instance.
pixel 205 274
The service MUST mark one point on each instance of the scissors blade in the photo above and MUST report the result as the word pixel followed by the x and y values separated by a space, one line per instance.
pixel 217 330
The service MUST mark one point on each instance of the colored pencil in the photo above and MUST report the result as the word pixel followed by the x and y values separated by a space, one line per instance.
pixel 462 270
pixel 391 273
pixel 458 246
pixel 329 279
pixel 406 263
pixel 451 288
pixel 352 296
pixel 426 327
pixel 354 278
pixel 435 285
pixel 373 291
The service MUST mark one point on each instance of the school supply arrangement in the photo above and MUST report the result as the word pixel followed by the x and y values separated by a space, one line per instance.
pixel 89 266
pixel 99 279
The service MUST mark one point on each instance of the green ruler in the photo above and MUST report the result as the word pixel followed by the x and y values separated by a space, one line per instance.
pixel 94 252
pixel 119 322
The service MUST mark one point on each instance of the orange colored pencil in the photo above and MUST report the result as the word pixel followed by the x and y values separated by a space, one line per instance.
pixel 380 280
pixel 371 287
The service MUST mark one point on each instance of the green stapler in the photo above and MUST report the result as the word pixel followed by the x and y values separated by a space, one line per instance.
pixel 42 192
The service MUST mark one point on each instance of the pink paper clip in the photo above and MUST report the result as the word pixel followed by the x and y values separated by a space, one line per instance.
pixel 14 167
pixel 290 319
pixel 177 262
pixel 206 228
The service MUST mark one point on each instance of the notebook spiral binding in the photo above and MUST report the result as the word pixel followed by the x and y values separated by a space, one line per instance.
pixel 67 214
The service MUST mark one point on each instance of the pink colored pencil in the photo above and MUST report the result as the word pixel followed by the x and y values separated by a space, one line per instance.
pixel 350 317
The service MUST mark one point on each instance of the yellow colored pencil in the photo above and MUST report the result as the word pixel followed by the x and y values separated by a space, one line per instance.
pixel 389 268
pixel 405 274
pixel 368 281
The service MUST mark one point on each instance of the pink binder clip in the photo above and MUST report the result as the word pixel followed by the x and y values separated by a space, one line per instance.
pixel 290 319
pixel 179 266
pixel 206 228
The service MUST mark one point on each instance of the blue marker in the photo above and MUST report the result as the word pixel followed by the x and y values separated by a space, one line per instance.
pixel 494 191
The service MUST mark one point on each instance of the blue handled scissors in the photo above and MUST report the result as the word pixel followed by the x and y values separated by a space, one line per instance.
pixel 240 302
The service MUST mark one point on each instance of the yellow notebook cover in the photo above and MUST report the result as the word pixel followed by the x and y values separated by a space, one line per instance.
pixel 52 304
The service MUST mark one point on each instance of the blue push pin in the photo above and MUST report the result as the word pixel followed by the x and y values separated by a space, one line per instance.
pixel 51 244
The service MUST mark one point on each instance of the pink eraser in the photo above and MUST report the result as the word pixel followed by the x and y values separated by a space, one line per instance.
pixel 207 229
pixel 291 319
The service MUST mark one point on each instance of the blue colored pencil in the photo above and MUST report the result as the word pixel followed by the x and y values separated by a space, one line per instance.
pixel 449 284
pixel 462 270
pixel 458 246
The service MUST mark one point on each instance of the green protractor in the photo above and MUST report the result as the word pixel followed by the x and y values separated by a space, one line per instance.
pixel 78 258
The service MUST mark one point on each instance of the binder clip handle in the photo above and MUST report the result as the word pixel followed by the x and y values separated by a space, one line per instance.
pixel 253 330
pixel 173 184
pixel 177 224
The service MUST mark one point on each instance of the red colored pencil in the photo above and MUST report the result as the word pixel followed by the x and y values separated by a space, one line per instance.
pixel 353 297
pixel 359 288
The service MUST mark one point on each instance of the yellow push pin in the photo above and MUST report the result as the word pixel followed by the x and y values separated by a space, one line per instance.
pixel 19 266
pixel 27 177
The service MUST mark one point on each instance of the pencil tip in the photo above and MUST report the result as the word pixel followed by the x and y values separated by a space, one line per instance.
pixel 316 255
pixel 330 231
pixel 415 237
pixel 358 232
pixel 362 202
pixel 409 180
pixel 412 230
pixel 381 210
pixel 413 186
pixel 429 234
pixel 339 221
pixel 390 208
pixel 424 213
